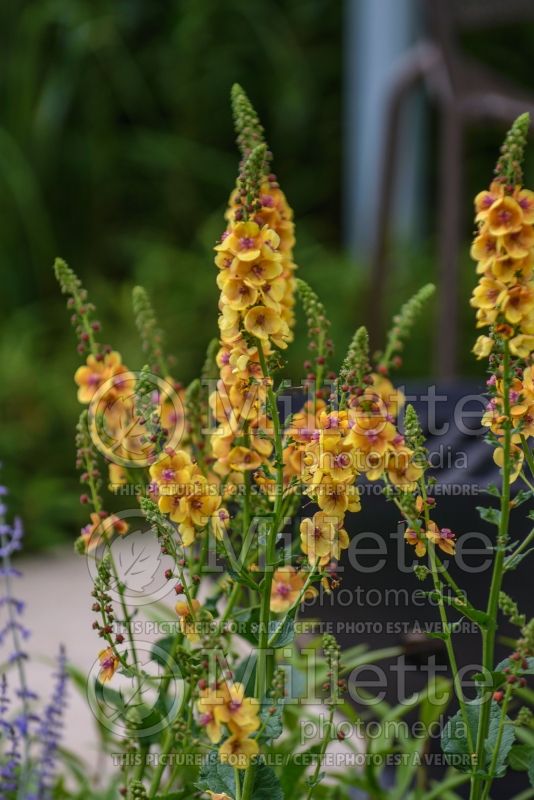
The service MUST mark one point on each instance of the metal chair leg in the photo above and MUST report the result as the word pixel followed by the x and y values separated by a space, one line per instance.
pixel 449 210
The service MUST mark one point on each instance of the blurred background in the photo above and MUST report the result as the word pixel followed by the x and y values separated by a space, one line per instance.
pixel 117 153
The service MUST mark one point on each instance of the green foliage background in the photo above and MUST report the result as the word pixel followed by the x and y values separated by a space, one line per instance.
pixel 117 153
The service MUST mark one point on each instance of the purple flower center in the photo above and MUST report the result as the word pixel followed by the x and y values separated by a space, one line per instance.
pixel 247 242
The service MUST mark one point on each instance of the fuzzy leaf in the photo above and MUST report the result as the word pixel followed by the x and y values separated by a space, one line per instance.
pixel 454 740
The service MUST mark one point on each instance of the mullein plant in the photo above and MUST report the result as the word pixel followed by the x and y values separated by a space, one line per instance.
pixel 249 501
pixel 29 738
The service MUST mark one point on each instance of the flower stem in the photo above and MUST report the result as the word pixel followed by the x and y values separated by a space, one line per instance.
pixel 324 744
pixel 270 554
pixel 488 638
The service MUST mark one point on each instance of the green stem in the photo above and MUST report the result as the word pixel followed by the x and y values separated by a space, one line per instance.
pixel 448 639
pixel 320 756
pixel 525 543
pixel 488 640
pixel 498 740
pixel 270 554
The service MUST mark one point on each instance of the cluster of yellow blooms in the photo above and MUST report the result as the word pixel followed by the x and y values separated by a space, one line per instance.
pixel 186 495
pixel 334 450
pixel 225 705
pixel 256 279
pixel 504 250
pixel 504 299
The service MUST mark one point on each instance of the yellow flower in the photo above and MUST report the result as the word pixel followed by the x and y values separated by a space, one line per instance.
pixel 262 322
pixel 317 535
pixel 484 249
pixel 218 795
pixel 247 242
pixel 243 459
pixel 390 399
pixel 109 664
pixel 487 293
pixel 402 471
pixel 525 199
pixel 209 705
pixel 483 347
pixel 190 502
pixel 443 538
pixel 516 456
pixel 172 471
pixel 520 243
pixel 101 529
pixel 238 750
pixel 238 712
pixel 486 199
pixel 238 294
pixel 286 588
pixel 188 621
pixel 416 539
pixel 516 302
pixel 99 370
pixel 504 216
pixel 522 345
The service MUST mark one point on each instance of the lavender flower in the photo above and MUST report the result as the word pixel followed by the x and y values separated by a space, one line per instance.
pixel 50 729
pixel 22 776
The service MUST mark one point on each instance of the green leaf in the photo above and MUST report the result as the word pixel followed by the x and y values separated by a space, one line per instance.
pixel 266 784
pixel 454 739
pixel 245 673
pixel 490 514
pixel 281 632
pixel 508 663
pixel 511 562
pixel 273 721
pixel 521 497
pixel 216 777
pixel 161 649
pixel 521 757
pixel 497 679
